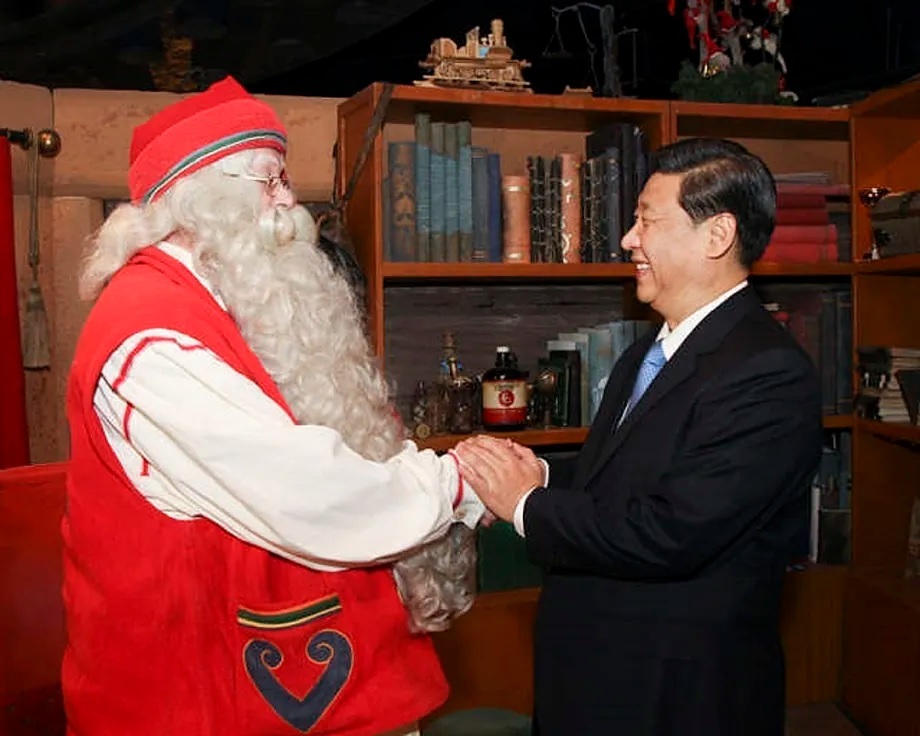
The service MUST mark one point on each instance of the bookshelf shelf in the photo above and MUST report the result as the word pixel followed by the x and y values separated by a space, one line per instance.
pixel 759 121
pixel 907 265
pixel 573 435
pixel 838 421
pixel 407 272
pixel 491 109
pixel 901 101
pixel 803 270
pixel 504 597
pixel 529 437
pixel 521 272
pixel 896 431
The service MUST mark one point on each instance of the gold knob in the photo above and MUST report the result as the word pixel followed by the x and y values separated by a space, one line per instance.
pixel 49 142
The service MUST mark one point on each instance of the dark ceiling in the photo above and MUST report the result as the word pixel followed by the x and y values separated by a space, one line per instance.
pixel 336 47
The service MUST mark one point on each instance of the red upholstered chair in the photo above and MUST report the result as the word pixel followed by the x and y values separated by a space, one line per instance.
pixel 31 609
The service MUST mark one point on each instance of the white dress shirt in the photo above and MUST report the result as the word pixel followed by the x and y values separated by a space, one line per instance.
pixel 199 440
pixel 671 340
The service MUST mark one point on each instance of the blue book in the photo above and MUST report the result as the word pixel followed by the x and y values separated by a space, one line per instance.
pixel 495 208
pixel 438 194
pixel 423 186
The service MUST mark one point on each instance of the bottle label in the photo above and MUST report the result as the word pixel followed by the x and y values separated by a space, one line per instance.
pixel 504 402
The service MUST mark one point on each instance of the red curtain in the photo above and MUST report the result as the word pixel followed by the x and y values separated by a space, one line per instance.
pixel 14 432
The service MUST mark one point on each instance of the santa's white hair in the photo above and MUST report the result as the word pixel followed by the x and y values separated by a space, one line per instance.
pixel 299 315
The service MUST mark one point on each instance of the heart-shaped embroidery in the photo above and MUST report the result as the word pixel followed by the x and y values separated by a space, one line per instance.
pixel 327 647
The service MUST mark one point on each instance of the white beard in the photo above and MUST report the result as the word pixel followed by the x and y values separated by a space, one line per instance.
pixel 300 318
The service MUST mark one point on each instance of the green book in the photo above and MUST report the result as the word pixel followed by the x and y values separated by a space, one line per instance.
pixel 503 562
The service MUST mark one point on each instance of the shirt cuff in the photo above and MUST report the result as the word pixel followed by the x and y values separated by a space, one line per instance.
pixel 468 509
pixel 518 517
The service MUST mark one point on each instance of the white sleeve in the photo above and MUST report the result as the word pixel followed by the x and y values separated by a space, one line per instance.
pixel 518 517
pixel 198 439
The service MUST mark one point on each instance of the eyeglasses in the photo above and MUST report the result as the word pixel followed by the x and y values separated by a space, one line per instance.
pixel 274 183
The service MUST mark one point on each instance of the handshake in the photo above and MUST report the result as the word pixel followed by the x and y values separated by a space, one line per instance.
pixel 500 471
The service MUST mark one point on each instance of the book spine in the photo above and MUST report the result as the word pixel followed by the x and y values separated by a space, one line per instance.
pixel 401 174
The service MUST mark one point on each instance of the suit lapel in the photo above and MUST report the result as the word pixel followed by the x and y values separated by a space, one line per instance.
pixel 675 372
pixel 707 336
pixel 617 392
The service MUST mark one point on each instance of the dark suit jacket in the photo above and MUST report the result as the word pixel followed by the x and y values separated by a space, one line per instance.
pixel 665 560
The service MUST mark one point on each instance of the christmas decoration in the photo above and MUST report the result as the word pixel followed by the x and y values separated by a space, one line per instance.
pixel 738 51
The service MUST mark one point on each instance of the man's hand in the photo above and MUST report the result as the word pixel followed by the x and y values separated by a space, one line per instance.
pixel 500 471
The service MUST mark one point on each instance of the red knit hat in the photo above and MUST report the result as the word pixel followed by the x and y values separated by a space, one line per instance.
pixel 196 132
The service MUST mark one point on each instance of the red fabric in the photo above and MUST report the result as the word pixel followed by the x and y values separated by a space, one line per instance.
pixel 183 131
pixel 162 614
pixel 14 430
pixel 32 614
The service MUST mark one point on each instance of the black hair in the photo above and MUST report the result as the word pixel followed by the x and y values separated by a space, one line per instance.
pixel 722 176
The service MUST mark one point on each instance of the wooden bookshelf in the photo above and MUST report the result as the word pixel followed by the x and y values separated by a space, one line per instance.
pixel 498 628
pixel 881 638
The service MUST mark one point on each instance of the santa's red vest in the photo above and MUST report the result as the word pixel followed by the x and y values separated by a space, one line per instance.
pixel 177 628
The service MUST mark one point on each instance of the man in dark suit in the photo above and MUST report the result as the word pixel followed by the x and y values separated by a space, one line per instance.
pixel 665 558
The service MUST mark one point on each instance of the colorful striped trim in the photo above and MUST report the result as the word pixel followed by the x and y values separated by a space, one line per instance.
pixel 292 617
pixel 210 151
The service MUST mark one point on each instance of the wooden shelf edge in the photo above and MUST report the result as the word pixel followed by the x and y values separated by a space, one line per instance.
pixel 906 264
pixel 805 270
pixel 512 597
pixel 888 102
pixel 761 112
pixel 838 421
pixel 518 271
pixel 529 437
pixel 895 431
pixel 527 100
pixel 397 271
pixel 568 435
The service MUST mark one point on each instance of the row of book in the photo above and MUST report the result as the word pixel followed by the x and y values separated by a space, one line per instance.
pixel 829 509
pixel 889 383
pixel 820 319
pixel 584 359
pixel 812 220
pixel 446 200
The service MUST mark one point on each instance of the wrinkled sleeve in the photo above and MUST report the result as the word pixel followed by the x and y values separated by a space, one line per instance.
pixel 200 440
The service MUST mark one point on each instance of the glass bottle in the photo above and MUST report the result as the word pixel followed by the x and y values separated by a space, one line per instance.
pixel 504 393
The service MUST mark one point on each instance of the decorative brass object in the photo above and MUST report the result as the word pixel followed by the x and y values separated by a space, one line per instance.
pixel 48 140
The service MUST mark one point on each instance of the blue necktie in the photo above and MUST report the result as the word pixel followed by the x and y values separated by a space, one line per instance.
pixel 652 363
